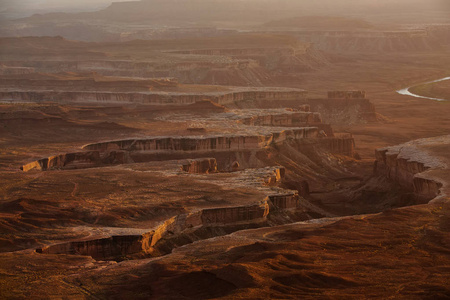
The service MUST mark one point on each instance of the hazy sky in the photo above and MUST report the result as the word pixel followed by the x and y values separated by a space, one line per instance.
pixel 55 4
pixel 28 7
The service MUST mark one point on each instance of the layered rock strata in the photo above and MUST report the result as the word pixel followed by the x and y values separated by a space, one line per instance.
pixel 276 176
pixel 410 165
pixel 177 231
pixel 291 119
pixel 201 166
pixel 78 160
pixel 296 119
pixel 205 143
pixel 228 149
pixel 113 247
pixel 66 83
pixel 266 94
pixel 284 201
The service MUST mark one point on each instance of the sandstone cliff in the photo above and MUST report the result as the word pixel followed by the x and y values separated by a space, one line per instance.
pixel 78 160
pixel 205 143
pixel 267 94
pixel 201 166
pixel 411 166
pixel 177 231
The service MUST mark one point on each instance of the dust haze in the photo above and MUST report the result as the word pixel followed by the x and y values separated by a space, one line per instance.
pixel 194 149
pixel 283 8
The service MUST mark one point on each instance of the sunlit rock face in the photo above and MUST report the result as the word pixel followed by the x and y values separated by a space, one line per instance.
pixel 201 166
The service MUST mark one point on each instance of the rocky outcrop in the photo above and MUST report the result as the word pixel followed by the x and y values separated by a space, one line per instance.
pixel 341 144
pixel 229 153
pixel 277 174
pixel 201 166
pixel 264 94
pixel 286 201
pixel 78 160
pixel 112 248
pixel 84 83
pixel 224 71
pixel 233 215
pixel 288 119
pixel 332 110
pixel 295 119
pixel 127 246
pixel 177 231
pixel 409 165
pixel 184 228
pixel 205 143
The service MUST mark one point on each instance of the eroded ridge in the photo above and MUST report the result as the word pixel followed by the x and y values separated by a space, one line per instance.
pixel 187 228
pixel 413 167
pixel 169 148
pixel 205 143
pixel 180 230
pixel 229 96
pixel 263 128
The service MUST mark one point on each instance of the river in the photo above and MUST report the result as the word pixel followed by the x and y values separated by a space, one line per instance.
pixel 406 91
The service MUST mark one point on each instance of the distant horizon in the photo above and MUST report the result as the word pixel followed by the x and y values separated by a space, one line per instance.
pixel 13 9
pixel 26 8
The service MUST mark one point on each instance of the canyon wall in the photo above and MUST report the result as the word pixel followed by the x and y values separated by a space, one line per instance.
pixel 201 166
pixel 176 231
pixel 332 110
pixel 78 160
pixel 233 215
pixel 291 119
pixel 221 71
pixel 65 82
pixel 284 201
pixel 112 248
pixel 408 166
pixel 205 143
pixel 223 150
pixel 275 176
pixel 297 119
pixel 152 97
pixel 342 144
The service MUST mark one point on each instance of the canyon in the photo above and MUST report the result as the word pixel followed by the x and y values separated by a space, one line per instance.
pixel 249 152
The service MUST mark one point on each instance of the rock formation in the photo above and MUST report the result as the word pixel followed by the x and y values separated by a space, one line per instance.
pixel 78 160
pixel 176 231
pixel 292 119
pixel 295 119
pixel 276 176
pixel 229 148
pixel 410 165
pixel 201 166
pixel 112 248
pixel 265 94
pixel 205 143
pixel 285 201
